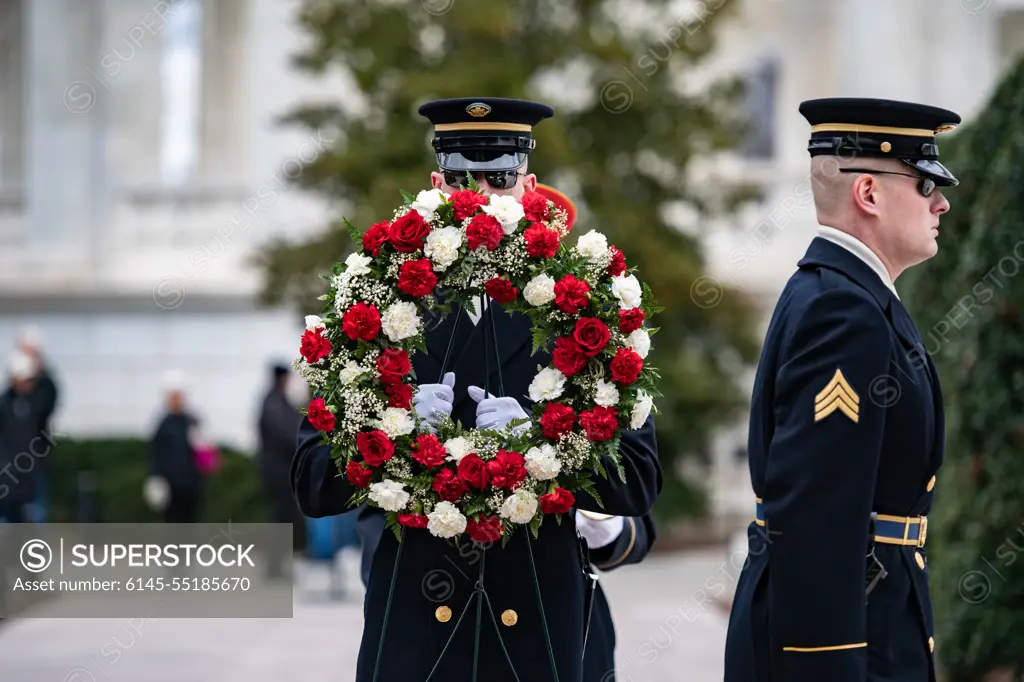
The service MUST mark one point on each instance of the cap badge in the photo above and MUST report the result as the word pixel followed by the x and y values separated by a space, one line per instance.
pixel 478 110
pixel 886 147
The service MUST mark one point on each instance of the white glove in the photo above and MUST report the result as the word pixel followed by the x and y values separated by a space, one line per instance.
pixel 156 492
pixel 432 402
pixel 598 532
pixel 496 413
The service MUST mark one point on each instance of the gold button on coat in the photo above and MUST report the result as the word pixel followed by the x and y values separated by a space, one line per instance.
pixel 931 644
pixel 919 559
pixel 931 484
pixel 443 614
pixel 509 617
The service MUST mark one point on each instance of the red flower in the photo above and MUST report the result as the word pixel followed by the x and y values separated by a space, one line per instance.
pixel 507 469
pixel 375 238
pixel 399 395
pixel 466 202
pixel 571 294
pixel 409 232
pixel 618 264
pixel 474 472
pixel 319 416
pixel 428 451
pixel 626 366
pixel 358 475
pixel 487 529
pixel 630 320
pixel 557 420
pixel 375 447
pixel 558 501
pixel 535 206
pixel 501 290
pixel 315 345
pixel 568 357
pixel 484 229
pixel 600 423
pixel 361 322
pixel 448 486
pixel 591 335
pixel 392 365
pixel 416 277
pixel 413 520
pixel 540 241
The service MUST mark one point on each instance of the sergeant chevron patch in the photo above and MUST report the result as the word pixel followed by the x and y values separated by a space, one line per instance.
pixel 837 395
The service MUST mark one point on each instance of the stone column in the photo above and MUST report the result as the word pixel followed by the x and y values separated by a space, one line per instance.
pixel 223 130
pixel 884 50
pixel 964 65
pixel 12 96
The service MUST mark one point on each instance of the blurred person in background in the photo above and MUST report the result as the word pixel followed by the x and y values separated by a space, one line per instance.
pixel 22 443
pixel 174 484
pixel 45 396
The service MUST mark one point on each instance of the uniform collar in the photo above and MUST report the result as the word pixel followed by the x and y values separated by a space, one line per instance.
pixel 825 253
pixel 861 250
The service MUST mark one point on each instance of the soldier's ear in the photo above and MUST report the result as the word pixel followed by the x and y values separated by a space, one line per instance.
pixel 436 180
pixel 530 183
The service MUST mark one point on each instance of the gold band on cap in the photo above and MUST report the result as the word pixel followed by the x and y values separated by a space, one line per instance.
pixel 855 128
pixel 480 125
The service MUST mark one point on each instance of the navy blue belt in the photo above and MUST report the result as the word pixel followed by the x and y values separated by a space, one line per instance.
pixel 890 530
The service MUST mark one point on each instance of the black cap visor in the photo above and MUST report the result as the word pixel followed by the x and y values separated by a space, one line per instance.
pixel 934 170
pixel 482 161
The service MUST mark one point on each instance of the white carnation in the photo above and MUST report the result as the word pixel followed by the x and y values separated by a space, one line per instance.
pixel 313 322
pixel 627 289
pixel 427 202
pixel 540 290
pixel 507 210
pixel 593 246
pixel 350 372
pixel 389 495
pixel 442 247
pixel 547 385
pixel 640 341
pixel 520 507
pixel 357 265
pixel 607 394
pixel 458 448
pixel 641 409
pixel 400 321
pixel 542 463
pixel 446 521
pixel 397 421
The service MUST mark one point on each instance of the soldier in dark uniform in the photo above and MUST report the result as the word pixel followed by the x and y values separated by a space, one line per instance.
pixel 846 426
pixel 537 634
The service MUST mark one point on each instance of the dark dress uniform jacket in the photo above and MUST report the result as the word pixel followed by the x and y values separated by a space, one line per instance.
pixel 821 467
pixel 415 637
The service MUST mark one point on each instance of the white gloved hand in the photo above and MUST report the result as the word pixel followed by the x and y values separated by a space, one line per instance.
pixel 156 492
pixel 432 402
pixel 599 532
pixel 496 413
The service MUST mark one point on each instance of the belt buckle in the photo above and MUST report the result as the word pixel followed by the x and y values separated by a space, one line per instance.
pixel 923 532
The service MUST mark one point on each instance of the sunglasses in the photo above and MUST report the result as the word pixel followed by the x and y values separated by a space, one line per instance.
pixel 496 179
pixel 925 187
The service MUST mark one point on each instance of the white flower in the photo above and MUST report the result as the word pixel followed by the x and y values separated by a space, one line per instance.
pixel 442 247
pixel 507 210
pixel 350 372
pixel 446 521
pixel 313 322
pixel 641 409
pixel 389 495
pixel 627 289
pixel 400 321
pixel 427 202
pixel 542 463
pixel 520 507
pixel 357 263
pixel 540 290
pixel 640 341
pixel 458 448
pixel 607 394
pixel 397 421
pixel 593 246
pixel 547 385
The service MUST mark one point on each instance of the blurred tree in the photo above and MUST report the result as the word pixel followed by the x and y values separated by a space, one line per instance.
pixel 619 145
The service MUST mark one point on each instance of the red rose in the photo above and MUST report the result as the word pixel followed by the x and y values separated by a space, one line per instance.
pixel 375 447
pixel 535 206
pixel 600 423
pixel 571 294
pixel 428 451
pixel 409 232
pixel 361 321
pixel 413 520
pixel 630 320
pixel 315 345
pixel 466 202
pixel 375 238
pixel 487 529
pixel 416 277
pixel 557 420
pixel 540 241
pixel 507 469
pixel 392 365
pixel 474 472
pixel 448 486
pixel 399 395
pixel 319 416
pixel 618 264
pixel 501 290
pixel 568 357
pixel 484 229
pixel 358 475
pixel 557 502
pixel 591 335
pixel 626 366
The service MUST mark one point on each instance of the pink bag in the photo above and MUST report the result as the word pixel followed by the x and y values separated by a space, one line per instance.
pixel 206 454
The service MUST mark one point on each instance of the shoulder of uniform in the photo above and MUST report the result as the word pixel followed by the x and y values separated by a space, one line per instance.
pixel 844 305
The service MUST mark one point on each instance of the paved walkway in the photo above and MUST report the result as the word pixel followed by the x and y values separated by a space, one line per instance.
pixel 667 625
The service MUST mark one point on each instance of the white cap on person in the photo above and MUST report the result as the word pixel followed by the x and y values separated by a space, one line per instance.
pixel 21 365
